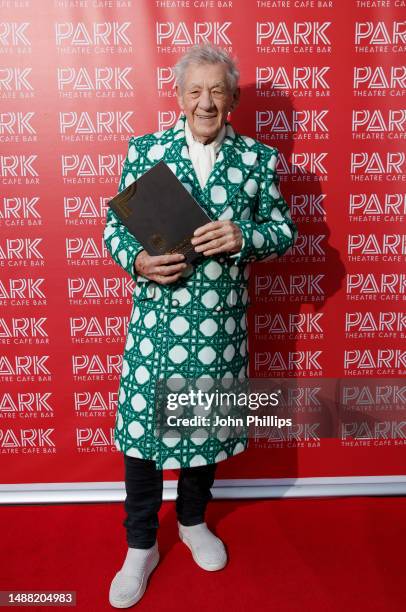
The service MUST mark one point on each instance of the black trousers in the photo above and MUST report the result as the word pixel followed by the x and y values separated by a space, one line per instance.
pixel 144 486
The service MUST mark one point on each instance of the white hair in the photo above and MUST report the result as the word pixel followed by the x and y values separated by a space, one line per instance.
pixel 206 54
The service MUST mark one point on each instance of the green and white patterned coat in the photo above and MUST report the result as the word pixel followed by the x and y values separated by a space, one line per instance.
pixel 198 325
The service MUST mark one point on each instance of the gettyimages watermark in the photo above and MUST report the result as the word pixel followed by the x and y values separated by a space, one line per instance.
pixel 213 406
pixel 290 409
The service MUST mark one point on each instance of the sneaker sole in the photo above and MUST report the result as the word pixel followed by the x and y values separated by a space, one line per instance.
pixel 138 596
pixel 209 567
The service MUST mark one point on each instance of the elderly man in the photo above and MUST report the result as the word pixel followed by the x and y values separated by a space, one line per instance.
pixel 190 321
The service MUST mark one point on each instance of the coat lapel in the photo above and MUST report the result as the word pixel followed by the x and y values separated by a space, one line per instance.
pixel 233 165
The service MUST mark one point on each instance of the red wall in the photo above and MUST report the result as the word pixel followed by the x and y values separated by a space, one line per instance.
pixel 322 82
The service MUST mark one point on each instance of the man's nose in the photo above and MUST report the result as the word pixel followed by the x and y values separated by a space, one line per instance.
pixel 206 101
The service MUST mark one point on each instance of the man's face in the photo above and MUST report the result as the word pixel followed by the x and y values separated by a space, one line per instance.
pixel 206 99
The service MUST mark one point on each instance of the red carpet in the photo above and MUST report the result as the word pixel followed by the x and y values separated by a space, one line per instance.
pixel 332 554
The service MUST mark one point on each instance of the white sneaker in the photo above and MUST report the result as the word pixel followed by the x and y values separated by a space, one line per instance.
pixel 129 584
pixel 207 550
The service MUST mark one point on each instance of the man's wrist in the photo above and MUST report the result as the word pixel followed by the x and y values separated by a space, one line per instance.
pixel 135 261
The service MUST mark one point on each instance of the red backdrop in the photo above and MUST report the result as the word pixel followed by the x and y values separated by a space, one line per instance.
pixel 324 83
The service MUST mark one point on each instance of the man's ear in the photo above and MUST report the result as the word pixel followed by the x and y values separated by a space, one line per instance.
pixel 179 97
pixel 236 99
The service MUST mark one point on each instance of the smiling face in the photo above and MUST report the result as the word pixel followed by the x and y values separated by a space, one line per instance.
pixel 206 99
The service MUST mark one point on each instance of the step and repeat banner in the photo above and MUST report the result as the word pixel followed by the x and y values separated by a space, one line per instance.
pixel 324 82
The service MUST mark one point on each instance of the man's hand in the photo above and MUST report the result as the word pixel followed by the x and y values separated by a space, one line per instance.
pixel 217 237
pixel 163 269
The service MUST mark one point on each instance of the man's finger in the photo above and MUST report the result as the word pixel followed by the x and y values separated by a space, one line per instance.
pixel 210 235
pixel 211 244
pixel 166 280
pixel 169 269
pixel 207 227
pixel 220 249
pixel 169 258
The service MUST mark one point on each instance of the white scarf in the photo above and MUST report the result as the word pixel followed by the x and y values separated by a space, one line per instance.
pixel 203 156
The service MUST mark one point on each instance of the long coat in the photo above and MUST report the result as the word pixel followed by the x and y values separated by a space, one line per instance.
pixel 196 326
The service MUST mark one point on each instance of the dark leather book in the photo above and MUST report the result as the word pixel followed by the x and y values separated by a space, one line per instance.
pixel 160 212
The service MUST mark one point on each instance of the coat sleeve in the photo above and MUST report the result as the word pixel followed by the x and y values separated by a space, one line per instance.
pixel 119 241
pixel 272 232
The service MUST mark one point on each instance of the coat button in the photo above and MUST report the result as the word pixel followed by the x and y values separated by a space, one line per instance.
pixel 218 308
pixel 175 302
